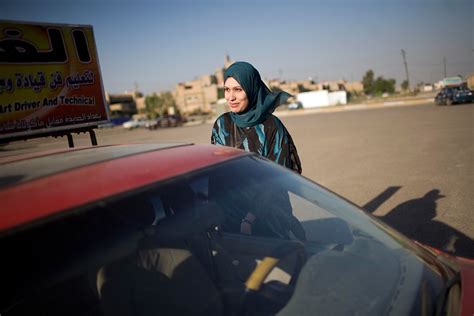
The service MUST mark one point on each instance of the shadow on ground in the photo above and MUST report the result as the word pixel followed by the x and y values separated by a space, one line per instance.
pixel 415 219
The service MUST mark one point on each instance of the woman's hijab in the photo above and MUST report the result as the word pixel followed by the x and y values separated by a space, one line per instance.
pixel 262 101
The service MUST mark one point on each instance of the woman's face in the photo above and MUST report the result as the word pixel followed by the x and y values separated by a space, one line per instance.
pixel 235 96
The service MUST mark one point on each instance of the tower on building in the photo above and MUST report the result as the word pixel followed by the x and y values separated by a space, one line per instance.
pixel 227 61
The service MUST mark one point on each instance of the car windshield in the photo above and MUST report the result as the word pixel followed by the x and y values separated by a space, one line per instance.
pixel 457 89
pixel 178 246
pixel 349 253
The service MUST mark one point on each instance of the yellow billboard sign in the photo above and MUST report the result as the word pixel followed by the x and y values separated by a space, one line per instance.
pixel 50 79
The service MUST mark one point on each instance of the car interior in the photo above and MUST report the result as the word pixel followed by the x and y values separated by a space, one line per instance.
pixel 156 252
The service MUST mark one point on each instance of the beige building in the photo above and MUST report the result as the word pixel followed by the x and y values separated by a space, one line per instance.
pixel 220 76
pixel 295 87
pixel 202 94
pixel 354 86
pixel 470 81
pixel 339 85
pixel 196 95
pixel 127 103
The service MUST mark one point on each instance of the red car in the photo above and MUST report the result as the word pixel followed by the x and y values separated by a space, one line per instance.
pixel 183 229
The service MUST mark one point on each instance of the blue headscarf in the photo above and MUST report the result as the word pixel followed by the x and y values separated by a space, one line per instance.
pixel 262 101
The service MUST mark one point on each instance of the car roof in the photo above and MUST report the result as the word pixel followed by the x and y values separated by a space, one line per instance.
pixel 34 165
pixel 45 184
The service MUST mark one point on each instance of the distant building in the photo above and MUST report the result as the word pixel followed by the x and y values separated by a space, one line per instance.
pixel 125 104
pixel 295 87
pixel 201 95
pixel 219 76
pixel 227 62
pixel 196 95
pixel 321 98
pixel 343 85
pixel 354 87
pixel 438 85
pixel 470 81
pixel 426 87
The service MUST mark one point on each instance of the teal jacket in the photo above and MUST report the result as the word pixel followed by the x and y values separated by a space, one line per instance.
pixel 269 139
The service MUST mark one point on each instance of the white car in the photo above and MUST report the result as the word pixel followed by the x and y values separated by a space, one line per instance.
pixel 134 123
pixel 295 105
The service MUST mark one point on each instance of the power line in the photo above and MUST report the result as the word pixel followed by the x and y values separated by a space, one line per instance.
pixel 444 61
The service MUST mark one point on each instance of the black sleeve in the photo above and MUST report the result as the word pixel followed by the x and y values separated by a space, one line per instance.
pixel 281 147
pixel 293 156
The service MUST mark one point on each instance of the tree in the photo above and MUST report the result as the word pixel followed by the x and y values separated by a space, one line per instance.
pixel 382 85
pixel 158 105
pixel 368 82
pixel 404 85
pixel 167 102
pixel 377 86
pixel 391 85
pixel 152 104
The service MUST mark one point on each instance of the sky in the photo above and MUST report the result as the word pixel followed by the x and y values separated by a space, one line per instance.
pixel 153 45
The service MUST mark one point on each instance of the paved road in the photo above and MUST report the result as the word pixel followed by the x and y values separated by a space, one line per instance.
pixel 412 166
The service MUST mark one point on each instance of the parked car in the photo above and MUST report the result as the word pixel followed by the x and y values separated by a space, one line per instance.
pixel 152 124
pixel 165 121
pixel 149 229
pixel 135 123
pixel 106 125
pixel 119 120
pixel 453 95
pixel 295 105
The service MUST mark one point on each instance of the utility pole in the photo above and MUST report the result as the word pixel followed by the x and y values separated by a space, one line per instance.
pixel 444 61
pixel 406 68
pixel 135 86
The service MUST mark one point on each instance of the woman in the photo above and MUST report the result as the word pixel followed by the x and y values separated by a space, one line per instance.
pixel 250 125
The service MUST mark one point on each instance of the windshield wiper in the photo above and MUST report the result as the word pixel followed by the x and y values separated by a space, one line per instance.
pixel 443 296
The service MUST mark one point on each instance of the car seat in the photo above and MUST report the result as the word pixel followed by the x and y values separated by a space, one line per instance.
pixel 162 277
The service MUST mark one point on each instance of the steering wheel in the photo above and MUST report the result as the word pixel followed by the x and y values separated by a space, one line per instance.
pixel 276 295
